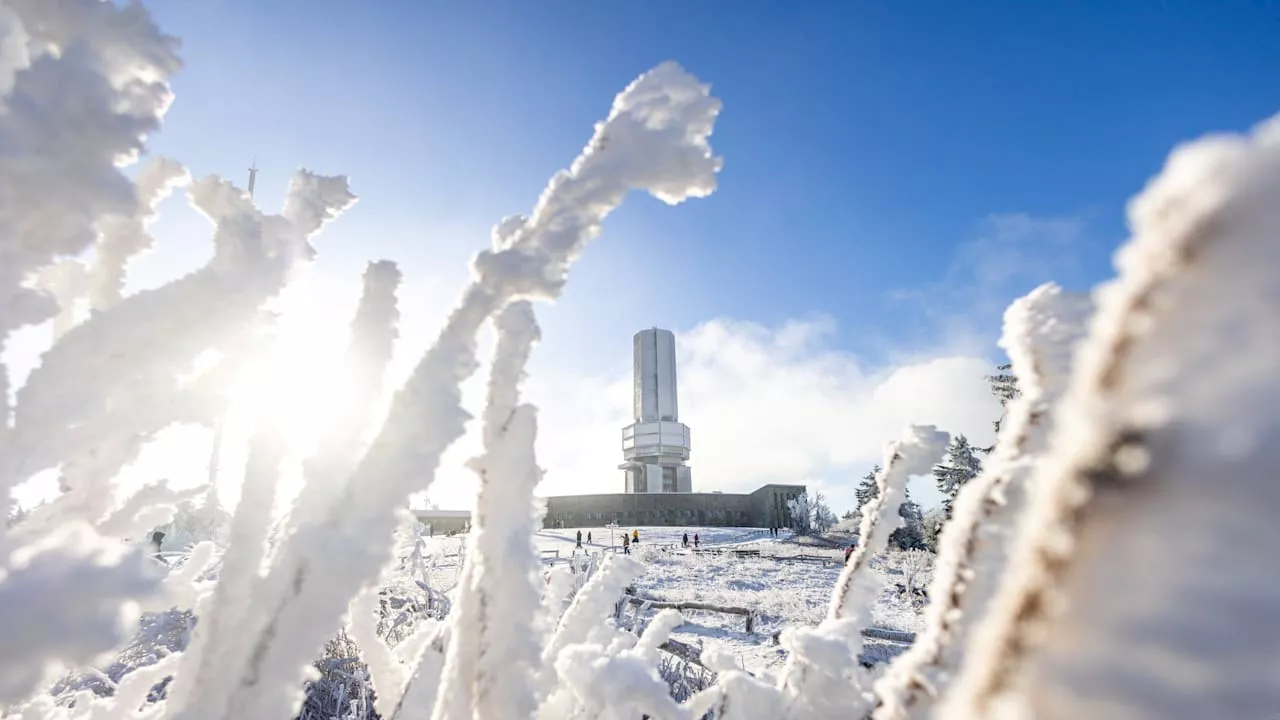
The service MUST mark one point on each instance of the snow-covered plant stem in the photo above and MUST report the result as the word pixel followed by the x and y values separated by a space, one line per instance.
pixel 374 330
pixel 822 677
pixel 117 379
pixel 914 454
pixel 1158 496
pixel 123 236
pixel 493 657
pixel 68 119
pixel 218 641
pixel 654 139
pixel 1041 332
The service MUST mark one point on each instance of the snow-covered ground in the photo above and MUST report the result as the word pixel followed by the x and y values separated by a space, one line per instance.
pixel 779 587
pixel 604 537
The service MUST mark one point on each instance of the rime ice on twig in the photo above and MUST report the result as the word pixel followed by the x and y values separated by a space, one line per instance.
pixel 493 657
pixel 822 677
pixel 915 454
pixel 1041 331
pixel 654 139
pixel 116 378
pixel 124 236
pixel 374 330
pixel 218 642
pixel 592 669
pixel 1158 497
pixel 81 85
pixel 64 598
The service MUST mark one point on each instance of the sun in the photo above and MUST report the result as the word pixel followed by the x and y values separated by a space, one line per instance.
pixel 299 385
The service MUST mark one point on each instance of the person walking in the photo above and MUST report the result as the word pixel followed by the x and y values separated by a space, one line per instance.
pixel 695 541
pixel 685 540
pixel 848 551
pixel 579 539
pixel 626 545
pixel 588 537
pixel 635 536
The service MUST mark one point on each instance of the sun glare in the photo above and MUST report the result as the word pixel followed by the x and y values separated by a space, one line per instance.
pixel 295 389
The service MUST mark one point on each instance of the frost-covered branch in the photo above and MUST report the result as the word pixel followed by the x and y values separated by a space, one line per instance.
pixel 593 669
pixel 1163 469
pixel 914 454
pixel 65 598
pixel 124 236
pixel 219 644
pixel 65 281
pixel 654 139
pixel 120 237
pixel 493 658
pixel 118 377
pixel 374 330
pixel 81 86
pixel 1041 332
pixel 822 677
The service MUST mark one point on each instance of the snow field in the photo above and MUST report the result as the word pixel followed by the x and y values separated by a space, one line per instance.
pixel 781 592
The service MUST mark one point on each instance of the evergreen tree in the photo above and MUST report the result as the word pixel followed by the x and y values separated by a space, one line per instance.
pixel 799 508
pixel 960 465
pixel 911 535
pixel 1004 385
pixel 821 516
pixel 933 522
pixel 867 489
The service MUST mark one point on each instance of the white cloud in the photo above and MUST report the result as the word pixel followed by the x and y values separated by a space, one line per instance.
pixel 763 405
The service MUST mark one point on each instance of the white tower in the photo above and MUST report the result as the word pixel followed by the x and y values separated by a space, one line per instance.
pixel 655 447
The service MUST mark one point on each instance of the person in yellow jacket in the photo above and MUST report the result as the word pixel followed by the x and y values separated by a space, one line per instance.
pixel 635 536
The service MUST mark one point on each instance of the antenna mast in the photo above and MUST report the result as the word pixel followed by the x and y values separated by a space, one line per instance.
pixel 253 175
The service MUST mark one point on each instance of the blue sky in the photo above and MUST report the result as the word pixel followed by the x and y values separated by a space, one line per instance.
pixel 865 142
pixel 895 173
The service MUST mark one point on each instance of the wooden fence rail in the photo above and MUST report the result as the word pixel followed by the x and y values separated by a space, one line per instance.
pixel 747 613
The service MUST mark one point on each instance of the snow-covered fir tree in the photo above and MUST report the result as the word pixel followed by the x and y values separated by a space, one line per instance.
pixel 799 507
pixel 867 488
pixel 934 520
pixel 960 466
pixel 1004 385
pixel 196 520
pixel 821 517
pixel 911 535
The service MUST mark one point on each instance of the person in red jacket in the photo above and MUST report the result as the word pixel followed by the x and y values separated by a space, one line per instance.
pixel 847 552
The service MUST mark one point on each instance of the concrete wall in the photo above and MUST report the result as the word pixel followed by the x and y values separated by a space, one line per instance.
pixel 443 522
pixel 763 508
pixel 769 504
pixel 684 480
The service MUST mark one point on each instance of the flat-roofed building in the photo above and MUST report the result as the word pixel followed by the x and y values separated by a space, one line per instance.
pixel 766 507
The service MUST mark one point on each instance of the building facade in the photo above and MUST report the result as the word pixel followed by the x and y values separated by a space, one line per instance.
pixel 655 446
pixel 766 507
pixel 444 522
